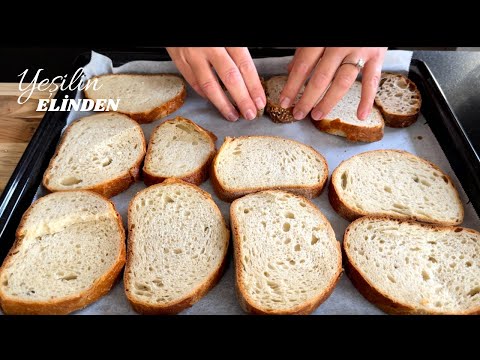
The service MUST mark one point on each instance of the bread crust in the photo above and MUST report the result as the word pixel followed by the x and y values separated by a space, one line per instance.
pixel 197 176
pixel 349 213
pixel 278 114
pixel 380 299
pixel 196 294
pixel 68 304
pixel 228 195
pixel 108 188
pixel 350 131
pixel 157 113
pixel 396 120
pixel 246 302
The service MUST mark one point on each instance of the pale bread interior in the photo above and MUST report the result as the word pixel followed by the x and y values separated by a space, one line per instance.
pixel 96 149
pixel 346 109
pixel 435 270
pixel 397 96
pixel 178 148
pixel 178 242
pixel 288 254
pixel 68 241
pixel 397 183
pixel 264 161
pixel 137 93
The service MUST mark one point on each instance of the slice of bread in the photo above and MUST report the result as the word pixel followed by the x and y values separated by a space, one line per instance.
pixel 273 88
pixel 287 260
pixel 177 247
pixel 399 100
pixel 102 153
pixel 68 252
pixel 396 184
pixel 143 97
pixel 410 268
pixel 181 149
pixel 252 163
pixel 343 121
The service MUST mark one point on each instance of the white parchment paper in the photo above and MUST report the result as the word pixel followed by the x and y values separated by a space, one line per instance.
pixel 417 139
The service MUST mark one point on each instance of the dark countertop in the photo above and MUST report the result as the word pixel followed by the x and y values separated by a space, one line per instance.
pixel 458 74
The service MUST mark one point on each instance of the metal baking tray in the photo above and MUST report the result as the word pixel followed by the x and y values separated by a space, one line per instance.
pixel 26 178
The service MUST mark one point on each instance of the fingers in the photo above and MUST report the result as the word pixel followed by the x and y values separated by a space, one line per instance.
pixel 243 60
pixel 231 77
pixel 342 82
pixel 290 64
pixel 207 81
pixel 185 69
pixel 370 80
pixel 318 83
pixel 304 62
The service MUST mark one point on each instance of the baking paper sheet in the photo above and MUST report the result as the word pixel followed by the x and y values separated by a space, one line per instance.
pixel 417 139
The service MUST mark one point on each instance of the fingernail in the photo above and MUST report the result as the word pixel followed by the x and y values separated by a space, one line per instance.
pixel 363 115
pixel 285 102
pixel 298 114
pixel 317 115
pixel 259 103
pixel 232 116
pixel 249 115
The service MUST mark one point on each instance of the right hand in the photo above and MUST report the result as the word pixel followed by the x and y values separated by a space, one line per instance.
pixel 234 67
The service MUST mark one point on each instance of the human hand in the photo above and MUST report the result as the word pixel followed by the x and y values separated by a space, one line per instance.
pixel 328 76
pixel 234 67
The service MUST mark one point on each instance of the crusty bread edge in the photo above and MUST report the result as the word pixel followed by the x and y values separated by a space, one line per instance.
pixel 159 112
pixel 228 195
pixel 349 213
pixel 350 131
pixel 398 120
pixel 197 293
pixel 195 177
pixel 107 188
pixel 375 296
pixel 246 302
pixel 65 305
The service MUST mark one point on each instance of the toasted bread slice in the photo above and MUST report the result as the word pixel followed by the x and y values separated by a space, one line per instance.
pixel 180 149
pixel 177 247
pixel 102 153
pixel 396 184
pixel 143 97
pixel 399 100
pixel 287 260
pixel 405 267
pixel 343 121
pixel 69 250
pixel 253 163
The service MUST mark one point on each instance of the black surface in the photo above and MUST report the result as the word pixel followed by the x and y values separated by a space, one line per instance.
pixel 458 74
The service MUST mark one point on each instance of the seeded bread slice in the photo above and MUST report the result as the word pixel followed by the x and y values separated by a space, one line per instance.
pixel 273 88
pixel 102 153
pixel 143 97
pixel 68 252
pixel 253 163
pixel 180 149
pixel 177 246
pixel 396 184
pixel 343 121
pixel 410 268
pixel 287 260
pixel 399 100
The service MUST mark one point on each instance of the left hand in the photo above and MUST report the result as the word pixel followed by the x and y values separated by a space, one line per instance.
pixel 324 67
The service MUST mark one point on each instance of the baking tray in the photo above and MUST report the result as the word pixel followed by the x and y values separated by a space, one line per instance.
pixel 26 178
